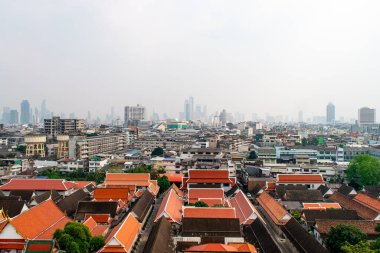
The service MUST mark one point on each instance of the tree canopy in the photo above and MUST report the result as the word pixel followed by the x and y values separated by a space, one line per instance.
pixel 158 151
pixel 342 235
pixel 364 170
pixel 252 155
pixel 76 238
pixel 200 204
pixel 164 183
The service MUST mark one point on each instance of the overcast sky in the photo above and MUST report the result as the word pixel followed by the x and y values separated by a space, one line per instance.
pixel 251 56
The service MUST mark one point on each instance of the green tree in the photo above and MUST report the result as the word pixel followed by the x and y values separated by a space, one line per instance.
pixel 21 149
pixel 200 204
pixel 252 155
pixel 158 151
pixel 341 235
pixel 362 247
pixel 164 183
pixel 297 215
pixel 364 170
pixel 76 238
pixel 304 141
pixel 96 243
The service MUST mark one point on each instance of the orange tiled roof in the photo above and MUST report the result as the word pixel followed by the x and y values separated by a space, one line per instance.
pixel 208 212
pixel 321 206
pixel 270 186
pixel 368 201
pixel 174 178
pixel 99 218
pixel 212 202
pixel 177 190
pixel 274 209
pixel 212 174
pixel 138 179
pixel 300 178
pixel 95 228
pixel 40 222
pixel 154 188
pixel 171 207
pixel 106 194
pixel 38 184
pixel 208 193
pixel 347 203
pixel 123 236
pixel 82 184
pixel 218 247
pixel 245 211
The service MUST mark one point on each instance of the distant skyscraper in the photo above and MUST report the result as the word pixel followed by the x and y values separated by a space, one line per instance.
pixel 134 114
pixel 13 117
pixel 300 116
pixel 25 112
pixel 189 109
pixel 223 117
pixel 330 113
pixel 366 116
pixel 6 115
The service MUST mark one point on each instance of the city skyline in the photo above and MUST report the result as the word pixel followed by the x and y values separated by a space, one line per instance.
pixel 244 56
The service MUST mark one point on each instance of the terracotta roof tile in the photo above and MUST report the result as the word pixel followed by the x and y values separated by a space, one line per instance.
pixel 368 201
pixel 123 236
pixel 40 221
pixel 321 206
pixel 171 207
pixel 38 184
pixel 105 194
pixel 218 247
pixel 362 210
pixel 300 178
pixel 174 178
pixel 274 209
pixel 138 179
pixel 195 194
pixel 245 211
pixel 208 212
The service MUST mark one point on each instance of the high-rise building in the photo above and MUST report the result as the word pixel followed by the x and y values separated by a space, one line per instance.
pixel 189 109
pixel 223 117
pixel 366 116
pixel 25 112
pixel 300 116
pixel 6 115
pixel 330 113
pixel 13 117
pixel 134 114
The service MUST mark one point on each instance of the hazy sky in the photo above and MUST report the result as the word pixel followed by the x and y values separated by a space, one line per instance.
pixel 264 56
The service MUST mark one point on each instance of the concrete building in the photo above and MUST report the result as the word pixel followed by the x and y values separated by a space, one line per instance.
pixel 35 145
pixel 330 114
pixel 134 114
pixel 25 117
pixel 63 146
pixel 56 125
pixel 366 116
pixel 14 119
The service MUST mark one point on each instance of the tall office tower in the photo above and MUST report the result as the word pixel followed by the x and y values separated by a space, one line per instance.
pixel 6 115
pixel 330 113
pixel 134 114
pixel 13 117
pixel 223 117
pixel 186 110
pixel 191 106
pixel 25 112
pixel 366 116
pixel 300 116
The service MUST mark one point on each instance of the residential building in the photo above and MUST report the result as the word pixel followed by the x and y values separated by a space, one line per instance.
pixel 366 116
pixel 134 114
pixel 35 145
pixel 56 125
